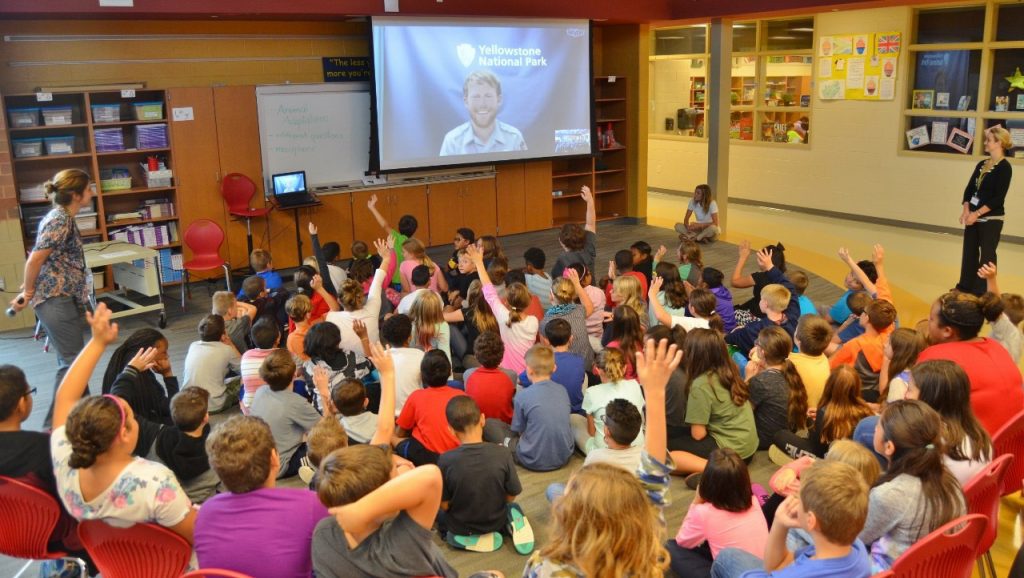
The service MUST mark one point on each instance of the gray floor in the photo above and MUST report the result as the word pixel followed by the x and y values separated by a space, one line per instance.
pixel 20 349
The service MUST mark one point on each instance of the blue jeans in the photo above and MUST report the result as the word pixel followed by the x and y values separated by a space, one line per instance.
pixel 864 434
pixel 733 562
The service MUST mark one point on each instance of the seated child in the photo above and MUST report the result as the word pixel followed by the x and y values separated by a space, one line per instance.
pixel 711 279
pixel 407 225
pixel 467 274
pixel 289 416
pixel 776 390
pixel 535 309
pixel 265 337
pixel 490 386
pixel 850 327
pixel 420 280
pixel 210 360
pixel 271 528
pixel 643 262
pixel 135 381
pixel 854 283
pixel 322 345
pixel 396 333
pixel 537 279
pixel 778 302
pixel 691 261
pixel 422 423
pixel 812 337
pixel 238 318
pixel 1006 327
pixel 308 282
pixel 800 282
pixel 480 486
pixel 622 426
pixel 838 412
pixel 569 367
pixel 268 304
pixel 299 308
pixel 621 266
pixel 464 237
pixel 361 252
pixel 832 507
pixel 540 437
pixel 349 398
pixel 182 446
pixel 725 514
pixel 331 250
pixel 594 321
pixel 589 435
pixel 263 265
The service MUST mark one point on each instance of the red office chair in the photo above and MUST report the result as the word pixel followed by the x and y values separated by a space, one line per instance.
pixel 237 190
pixel 949 551
pixel 215 573
pixel 1010 440
pixel 982 494
pixel 140 550
pixel 30 515
pixel 204 238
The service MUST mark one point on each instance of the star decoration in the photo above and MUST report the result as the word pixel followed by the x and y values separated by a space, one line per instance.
pixel 1016 81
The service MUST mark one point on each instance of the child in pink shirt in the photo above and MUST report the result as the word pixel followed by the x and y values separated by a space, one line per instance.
pixel 518 330
pixel 725 514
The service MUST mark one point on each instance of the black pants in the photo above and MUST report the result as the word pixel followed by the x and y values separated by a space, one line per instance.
pixel 689 562
pixel 796 446
pixel 414 451
pixel 980 242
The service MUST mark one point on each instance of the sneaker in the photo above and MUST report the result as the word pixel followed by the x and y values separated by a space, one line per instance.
pixel 778 457
pixel 306 474
pixel 520 530
pixel 693 480
pixel 482 543
pixel 760 493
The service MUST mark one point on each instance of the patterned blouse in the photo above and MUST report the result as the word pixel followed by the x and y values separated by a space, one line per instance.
pixel 63 273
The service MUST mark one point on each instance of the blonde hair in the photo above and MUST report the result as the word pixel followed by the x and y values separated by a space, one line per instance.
pixel 426 314
pixel 858 456
pixel 223 302
pixel 837 495
pixel 518 297
pixel 419 253
pixel 563 291
pixel 689 252
pixel 324 437
pixel 1001 135
pixel 541 359
pixel 627 288
pixel 776 297
pixel 613 364
pixel 66 185
pixel 605 526
pixel 480 310
pixel 351 295
pixel 298 307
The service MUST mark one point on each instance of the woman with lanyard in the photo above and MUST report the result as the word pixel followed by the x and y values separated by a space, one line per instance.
pixel 56 279
pixel 983 213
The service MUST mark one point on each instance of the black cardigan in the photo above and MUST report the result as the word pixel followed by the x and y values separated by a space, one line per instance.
pixel 993 189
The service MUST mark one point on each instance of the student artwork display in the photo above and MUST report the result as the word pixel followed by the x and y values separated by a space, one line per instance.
pixel 917 137
pixel 858 66
pixel 960 140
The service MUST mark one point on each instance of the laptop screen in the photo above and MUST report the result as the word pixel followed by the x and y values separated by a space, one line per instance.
pixel 286 183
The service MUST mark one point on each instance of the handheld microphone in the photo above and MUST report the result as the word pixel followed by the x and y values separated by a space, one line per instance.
pixel 10 310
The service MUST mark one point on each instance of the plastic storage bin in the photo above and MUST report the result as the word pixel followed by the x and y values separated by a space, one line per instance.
pixel 59 145
pixel 109 139
pixel 33 193
pixel 106 113
pixel 151 136
pixel 57 115
pixel 27 147
pixel 115 180
pixel 23 117
pixel 32 215
pixel 87 221
pixel 149 110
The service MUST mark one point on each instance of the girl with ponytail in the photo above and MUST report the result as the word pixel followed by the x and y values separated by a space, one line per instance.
pixel 614 385
pixel 517 329
pixel 414 254
pixel 776 390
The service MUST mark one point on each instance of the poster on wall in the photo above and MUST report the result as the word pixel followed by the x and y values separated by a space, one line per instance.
pixel 858 66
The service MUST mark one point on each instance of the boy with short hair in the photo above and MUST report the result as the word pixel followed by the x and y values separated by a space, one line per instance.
pixel 262 263
pixel 540 436
pixel 800 283
pixel 289 416
pixel 182 446
pixel 622 424
pixel 854 283
pixel 812 338
pixel 622 265
pixel 537 279
pixel 266 336
pixel 712 280
pixel 268 304
pixel 480 487
pixel 832 507
pixel 643 261
pixel 396 332
pixel 850 328
pixel 407 225
pixel 350 399
pixel 491 387
pixel 778 302
pixel 464 237
pixel 210 360
pixel 422 423
pixel 299 309
pixel 420 279
pixel 569 372
pixel 467 273
pixel 238 318
pixel 271 528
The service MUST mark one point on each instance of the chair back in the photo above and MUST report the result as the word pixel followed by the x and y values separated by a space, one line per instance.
pixel 983 493
pixel 215 573
pixel 204 238
pixel 29 515
pixel 140 550
pixel 949 551
pixel 237 190
pixel 1010 440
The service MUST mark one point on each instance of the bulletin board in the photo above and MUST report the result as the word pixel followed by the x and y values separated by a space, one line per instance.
pixel 858 66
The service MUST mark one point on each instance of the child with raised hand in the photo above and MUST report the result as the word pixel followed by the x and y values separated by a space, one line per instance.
pixel 572 302
pixel 589 435
pixel 92 444
pixel 308 282
pixel 363 307
pixel 750 309
pixel 407 226
pixel 776 390
pixel 861 278
pixel 518 330
pixel 917 493
pixel 836 416
pixel 778 302
pixel 480 487
pixel 901 350
pixel 609 521
pixel 673 294
pixel 724 514
pixel 323 347
pixel 578 243
pixel 701 309
pixel 643 261
pixel 712 280
pixel 1005 329
pixel 622 266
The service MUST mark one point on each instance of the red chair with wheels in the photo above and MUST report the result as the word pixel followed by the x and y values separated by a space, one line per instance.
pixel 215 573
pixel 982 494
pixel 29 517
pixel 1010 440
pixel 204 238
pixel 140 550
pixel 238 190
pixel 949 551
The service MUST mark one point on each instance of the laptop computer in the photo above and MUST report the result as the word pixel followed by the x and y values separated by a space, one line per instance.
pixel 290 189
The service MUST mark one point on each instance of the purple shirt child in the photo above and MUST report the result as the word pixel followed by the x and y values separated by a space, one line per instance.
pixel 724 307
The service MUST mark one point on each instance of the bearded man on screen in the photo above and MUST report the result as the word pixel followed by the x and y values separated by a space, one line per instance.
pixel 483 133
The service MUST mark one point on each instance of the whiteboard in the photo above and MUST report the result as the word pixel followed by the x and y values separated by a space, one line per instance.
pixel 323 129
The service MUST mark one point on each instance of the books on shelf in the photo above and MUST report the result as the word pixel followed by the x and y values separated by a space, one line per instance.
pixel 148 235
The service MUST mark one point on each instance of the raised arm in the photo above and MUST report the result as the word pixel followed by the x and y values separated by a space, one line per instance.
pixel 655 304
pixel 417 492
pixel 844 254
pixel 588 305
pixel 988 273
pixel 654 366
pixel 76 381
pixel 321 263
pixel 322 382
pixel 384 247
pixel 588 198
pixel 385 365
pixel 372 205
pixel 478 260
pixel 739 280
pixel 317 284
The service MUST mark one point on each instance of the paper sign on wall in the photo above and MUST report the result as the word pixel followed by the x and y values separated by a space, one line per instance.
pixel 864 65
pixel 183 113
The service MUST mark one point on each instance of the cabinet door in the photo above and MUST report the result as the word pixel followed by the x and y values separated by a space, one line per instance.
pixel 197 164
pixel 410 201
pixel 510 194
pixel 537 184
pixel 446 207
pixel 479 207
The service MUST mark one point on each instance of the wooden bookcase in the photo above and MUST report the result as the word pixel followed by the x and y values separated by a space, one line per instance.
pixel 607 173
pixel 32 171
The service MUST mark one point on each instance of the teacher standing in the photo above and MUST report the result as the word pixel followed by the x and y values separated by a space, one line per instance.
pixel 983 212
pixel 56 279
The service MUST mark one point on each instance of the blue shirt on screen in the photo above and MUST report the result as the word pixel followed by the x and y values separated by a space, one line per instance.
pixel 462 141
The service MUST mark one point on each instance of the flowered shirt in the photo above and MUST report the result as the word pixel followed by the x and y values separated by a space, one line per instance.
pixel 144 491
pixel 63 272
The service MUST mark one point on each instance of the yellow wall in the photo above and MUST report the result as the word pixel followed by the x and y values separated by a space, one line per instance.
pixel 851 165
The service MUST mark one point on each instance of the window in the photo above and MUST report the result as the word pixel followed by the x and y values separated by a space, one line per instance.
pixel 679 81
pixel 965 85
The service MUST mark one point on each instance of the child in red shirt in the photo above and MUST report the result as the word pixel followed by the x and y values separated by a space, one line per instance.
pixel 312 285
pixel 622 266
pixel 423 423
pixel 490 386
